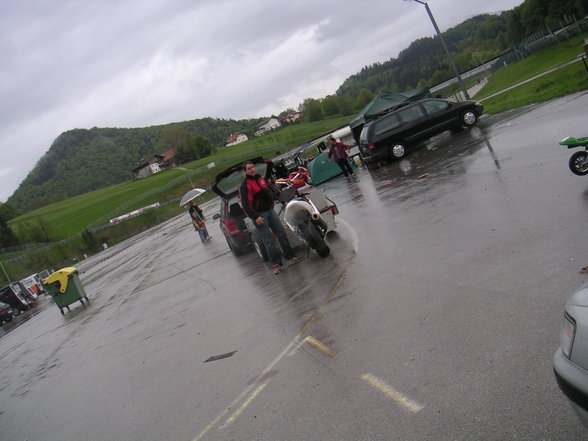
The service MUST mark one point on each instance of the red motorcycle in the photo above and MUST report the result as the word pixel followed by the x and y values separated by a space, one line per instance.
pixel 297 179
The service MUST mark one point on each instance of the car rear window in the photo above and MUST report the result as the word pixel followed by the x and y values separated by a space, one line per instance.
pixel 363 136
pixel 435 106
pixel 389 123
pixel 231 183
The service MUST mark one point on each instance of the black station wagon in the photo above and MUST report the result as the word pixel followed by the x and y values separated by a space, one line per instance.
pixel 391 135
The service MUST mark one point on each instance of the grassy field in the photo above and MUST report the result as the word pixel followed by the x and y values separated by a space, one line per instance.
pixel 561 82
pixel 570 79
pixel 72 216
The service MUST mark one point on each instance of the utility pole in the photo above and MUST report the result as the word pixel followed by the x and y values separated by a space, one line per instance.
pixel 5 273
pixel 459 80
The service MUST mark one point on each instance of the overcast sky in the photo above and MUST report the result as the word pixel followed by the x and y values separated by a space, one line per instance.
pixel 69 64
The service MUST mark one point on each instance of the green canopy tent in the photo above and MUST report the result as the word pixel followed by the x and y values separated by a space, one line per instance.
pixel 321 169
pixel 382 103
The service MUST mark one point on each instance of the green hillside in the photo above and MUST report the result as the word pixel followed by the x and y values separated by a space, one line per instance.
pixel 89 210
pixel 83 160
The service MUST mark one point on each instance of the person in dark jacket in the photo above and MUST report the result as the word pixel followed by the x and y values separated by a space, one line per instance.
pixel 338 151
pixel 258 203
pixel 198 221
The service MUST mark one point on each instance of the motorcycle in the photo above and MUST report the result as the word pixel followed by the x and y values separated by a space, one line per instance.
pixel 310 215
pixel 578 161
pixel 296 179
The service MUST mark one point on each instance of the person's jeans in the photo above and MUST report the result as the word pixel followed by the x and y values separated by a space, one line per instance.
pixel 345 167
pixel 203 234
pixel 272 223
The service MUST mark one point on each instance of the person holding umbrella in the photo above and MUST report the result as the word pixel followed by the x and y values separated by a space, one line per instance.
pixel 198 221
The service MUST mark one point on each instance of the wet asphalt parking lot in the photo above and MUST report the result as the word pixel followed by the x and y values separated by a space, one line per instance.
pixel 434 318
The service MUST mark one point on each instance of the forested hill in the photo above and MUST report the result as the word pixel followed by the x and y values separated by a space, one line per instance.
pixel 83 160
pixel 424 62
pixel 480 38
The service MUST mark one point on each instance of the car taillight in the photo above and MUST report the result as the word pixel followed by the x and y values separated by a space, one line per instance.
pixel 371 147
pixel 231 226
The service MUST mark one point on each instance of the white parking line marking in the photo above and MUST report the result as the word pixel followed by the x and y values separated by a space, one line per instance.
pixel 390 392
pixel 292 344
pixel 244 405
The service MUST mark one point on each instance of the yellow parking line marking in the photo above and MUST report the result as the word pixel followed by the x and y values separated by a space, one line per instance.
pixel 320 346
pixel 390 392
pixel 238 412
pixel 288 348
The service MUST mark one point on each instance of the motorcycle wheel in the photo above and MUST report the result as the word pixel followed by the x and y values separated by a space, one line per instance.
pixel 579 163
pixel 314 238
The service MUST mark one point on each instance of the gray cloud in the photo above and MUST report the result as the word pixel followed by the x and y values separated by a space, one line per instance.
pixel 129 63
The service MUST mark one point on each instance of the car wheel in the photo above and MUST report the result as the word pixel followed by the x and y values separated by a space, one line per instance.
pixel 238 251
pixel 469 118
pixel 579 163
pixel 259 246
pixel 396 151
pixel 235 250
pixel 16 312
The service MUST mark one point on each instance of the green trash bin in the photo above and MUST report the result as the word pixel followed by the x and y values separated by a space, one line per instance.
pixel 65 288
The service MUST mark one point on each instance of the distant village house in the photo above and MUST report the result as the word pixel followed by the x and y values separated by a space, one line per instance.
pixel 267 126
pixel 168 157
pixel 149 167
pixel 236 138
pixel 292 117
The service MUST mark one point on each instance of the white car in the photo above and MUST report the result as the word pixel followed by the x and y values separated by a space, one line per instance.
pixel 570 362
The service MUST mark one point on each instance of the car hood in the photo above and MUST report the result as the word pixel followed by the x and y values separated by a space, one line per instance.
pixel 226 184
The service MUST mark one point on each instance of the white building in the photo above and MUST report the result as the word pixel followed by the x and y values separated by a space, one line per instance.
pixel 236 138
pixel 267 126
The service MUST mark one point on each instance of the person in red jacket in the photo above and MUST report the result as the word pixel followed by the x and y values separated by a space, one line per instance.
pixel 258 203
pixel 338 150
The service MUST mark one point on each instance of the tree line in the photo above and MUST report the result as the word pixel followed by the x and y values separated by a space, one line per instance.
pixel 424 63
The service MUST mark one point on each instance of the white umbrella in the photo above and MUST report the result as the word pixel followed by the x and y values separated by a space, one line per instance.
pixel 192 194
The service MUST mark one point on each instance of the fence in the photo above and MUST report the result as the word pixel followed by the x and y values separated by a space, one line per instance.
pixel 569 27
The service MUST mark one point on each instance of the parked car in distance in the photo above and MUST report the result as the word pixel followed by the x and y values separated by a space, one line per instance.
pixel 17 297
pixel 570 362
pixel 393 134
pixel 5 313
pixel 240 236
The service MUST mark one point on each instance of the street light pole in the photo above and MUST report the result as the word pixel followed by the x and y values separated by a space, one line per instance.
pixel 5 273
pixel 460 81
